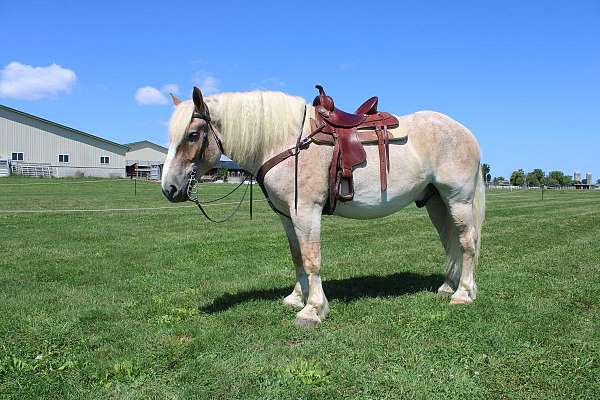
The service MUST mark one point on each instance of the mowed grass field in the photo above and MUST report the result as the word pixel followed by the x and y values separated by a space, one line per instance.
pixel 162 304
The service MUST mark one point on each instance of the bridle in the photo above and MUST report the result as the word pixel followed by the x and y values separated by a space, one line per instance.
pixel 301 144
pixel 206 118
pixel 191 193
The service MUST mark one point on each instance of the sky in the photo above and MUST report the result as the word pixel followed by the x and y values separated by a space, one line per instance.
pixel 524 77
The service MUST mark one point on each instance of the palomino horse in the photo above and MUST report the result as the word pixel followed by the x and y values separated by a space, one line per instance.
pixel 251 127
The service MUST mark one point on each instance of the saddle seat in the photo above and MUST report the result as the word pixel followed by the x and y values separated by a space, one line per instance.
pixel 326 107
pixel 347 132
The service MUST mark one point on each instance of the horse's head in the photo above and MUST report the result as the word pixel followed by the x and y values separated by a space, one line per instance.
pixel 194 146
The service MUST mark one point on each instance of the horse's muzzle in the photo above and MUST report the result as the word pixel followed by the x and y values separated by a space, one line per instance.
pixel 175 195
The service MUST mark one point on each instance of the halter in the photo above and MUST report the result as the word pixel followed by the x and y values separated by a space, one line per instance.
pixel 192 195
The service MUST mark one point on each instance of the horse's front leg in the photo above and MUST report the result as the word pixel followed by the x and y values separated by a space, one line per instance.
pixel 307 226
pixel 296 299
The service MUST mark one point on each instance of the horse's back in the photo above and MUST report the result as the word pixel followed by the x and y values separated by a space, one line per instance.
pixel 437 150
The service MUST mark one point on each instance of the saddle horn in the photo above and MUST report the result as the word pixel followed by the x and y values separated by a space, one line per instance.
pixel 323 100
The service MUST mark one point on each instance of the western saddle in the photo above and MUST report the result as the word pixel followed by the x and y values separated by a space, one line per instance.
pixel 346 132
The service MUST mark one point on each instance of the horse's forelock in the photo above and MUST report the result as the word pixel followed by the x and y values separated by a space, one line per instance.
pixel 179 121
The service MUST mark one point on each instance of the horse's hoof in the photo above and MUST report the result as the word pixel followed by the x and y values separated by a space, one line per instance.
pixel 303 322
pixel 307 318
pixel 461 297
pixel 294 301
pixel 445 291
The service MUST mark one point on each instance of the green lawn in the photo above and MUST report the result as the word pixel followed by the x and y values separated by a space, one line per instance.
pixel 162 304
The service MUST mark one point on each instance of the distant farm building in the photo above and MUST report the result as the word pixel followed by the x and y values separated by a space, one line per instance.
pixel 145 159
pixel 31 145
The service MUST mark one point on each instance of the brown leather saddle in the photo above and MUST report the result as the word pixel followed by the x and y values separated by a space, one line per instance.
pixel 347 132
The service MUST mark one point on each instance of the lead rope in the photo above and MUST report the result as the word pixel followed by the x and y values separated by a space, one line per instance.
pixel 193 197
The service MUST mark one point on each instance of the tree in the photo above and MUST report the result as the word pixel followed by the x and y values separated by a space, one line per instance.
pixel 598 182
pixel 517 178
pixel 557 178
pixel 539 173
pixel 532 180
pixel 222 173
pixel 535 178
pixel 485 171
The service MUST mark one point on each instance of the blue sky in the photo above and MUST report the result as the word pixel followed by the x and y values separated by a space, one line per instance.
pixel 523 76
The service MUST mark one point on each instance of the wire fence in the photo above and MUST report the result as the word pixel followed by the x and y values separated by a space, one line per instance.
pixel 20 187
pixel 133 209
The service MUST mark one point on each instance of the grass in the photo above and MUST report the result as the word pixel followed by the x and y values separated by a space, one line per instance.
pixel 162 304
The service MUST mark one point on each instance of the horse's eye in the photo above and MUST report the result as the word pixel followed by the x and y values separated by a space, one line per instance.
pixel 193 136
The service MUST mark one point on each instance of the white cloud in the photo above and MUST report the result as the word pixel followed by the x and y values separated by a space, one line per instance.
pixel 25 82
pixel 208 82
pixel 170 88
pixel 149 95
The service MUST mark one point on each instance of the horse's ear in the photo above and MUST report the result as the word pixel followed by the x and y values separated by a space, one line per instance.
pixel 176 100
pixel 199 101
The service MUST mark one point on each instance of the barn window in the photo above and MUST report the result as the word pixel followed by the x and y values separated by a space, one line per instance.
pixel 63 158
pixel 104 160
pixel 17 156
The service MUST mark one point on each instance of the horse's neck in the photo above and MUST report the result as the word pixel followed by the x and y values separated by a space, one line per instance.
pixel 251 163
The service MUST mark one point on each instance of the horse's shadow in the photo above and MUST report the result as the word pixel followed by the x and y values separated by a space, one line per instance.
pixel 345 290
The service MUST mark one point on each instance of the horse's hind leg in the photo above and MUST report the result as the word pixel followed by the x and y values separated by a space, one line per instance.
pixel 440 217
pixel 461 213
pixel 296 299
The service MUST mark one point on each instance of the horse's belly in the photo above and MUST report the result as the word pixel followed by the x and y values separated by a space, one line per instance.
pixel 405 185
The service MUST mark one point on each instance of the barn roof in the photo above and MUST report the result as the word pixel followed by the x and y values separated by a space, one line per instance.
pixel 146 143
pixel 76 131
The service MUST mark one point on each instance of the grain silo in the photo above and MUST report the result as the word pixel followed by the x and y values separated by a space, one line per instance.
pixel 588 178
pixel 577 176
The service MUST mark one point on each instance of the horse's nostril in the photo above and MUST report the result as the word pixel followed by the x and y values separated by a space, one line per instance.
pixel 170 192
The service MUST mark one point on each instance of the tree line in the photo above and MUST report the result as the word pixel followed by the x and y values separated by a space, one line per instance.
pixel 535 178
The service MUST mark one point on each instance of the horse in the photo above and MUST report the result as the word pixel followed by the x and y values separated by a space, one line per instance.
pixel 438 164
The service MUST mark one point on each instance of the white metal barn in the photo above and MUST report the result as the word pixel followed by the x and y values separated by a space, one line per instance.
pixel 146 159
pixel 35 146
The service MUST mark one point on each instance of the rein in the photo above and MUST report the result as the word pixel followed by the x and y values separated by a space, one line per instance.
pixel 193 197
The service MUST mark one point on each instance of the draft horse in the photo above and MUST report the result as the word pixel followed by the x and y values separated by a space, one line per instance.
pixel 427 158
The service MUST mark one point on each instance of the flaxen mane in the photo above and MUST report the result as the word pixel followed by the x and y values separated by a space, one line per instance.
pixel 251 124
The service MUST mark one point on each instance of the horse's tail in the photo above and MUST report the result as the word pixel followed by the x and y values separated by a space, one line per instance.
pixel 478 209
